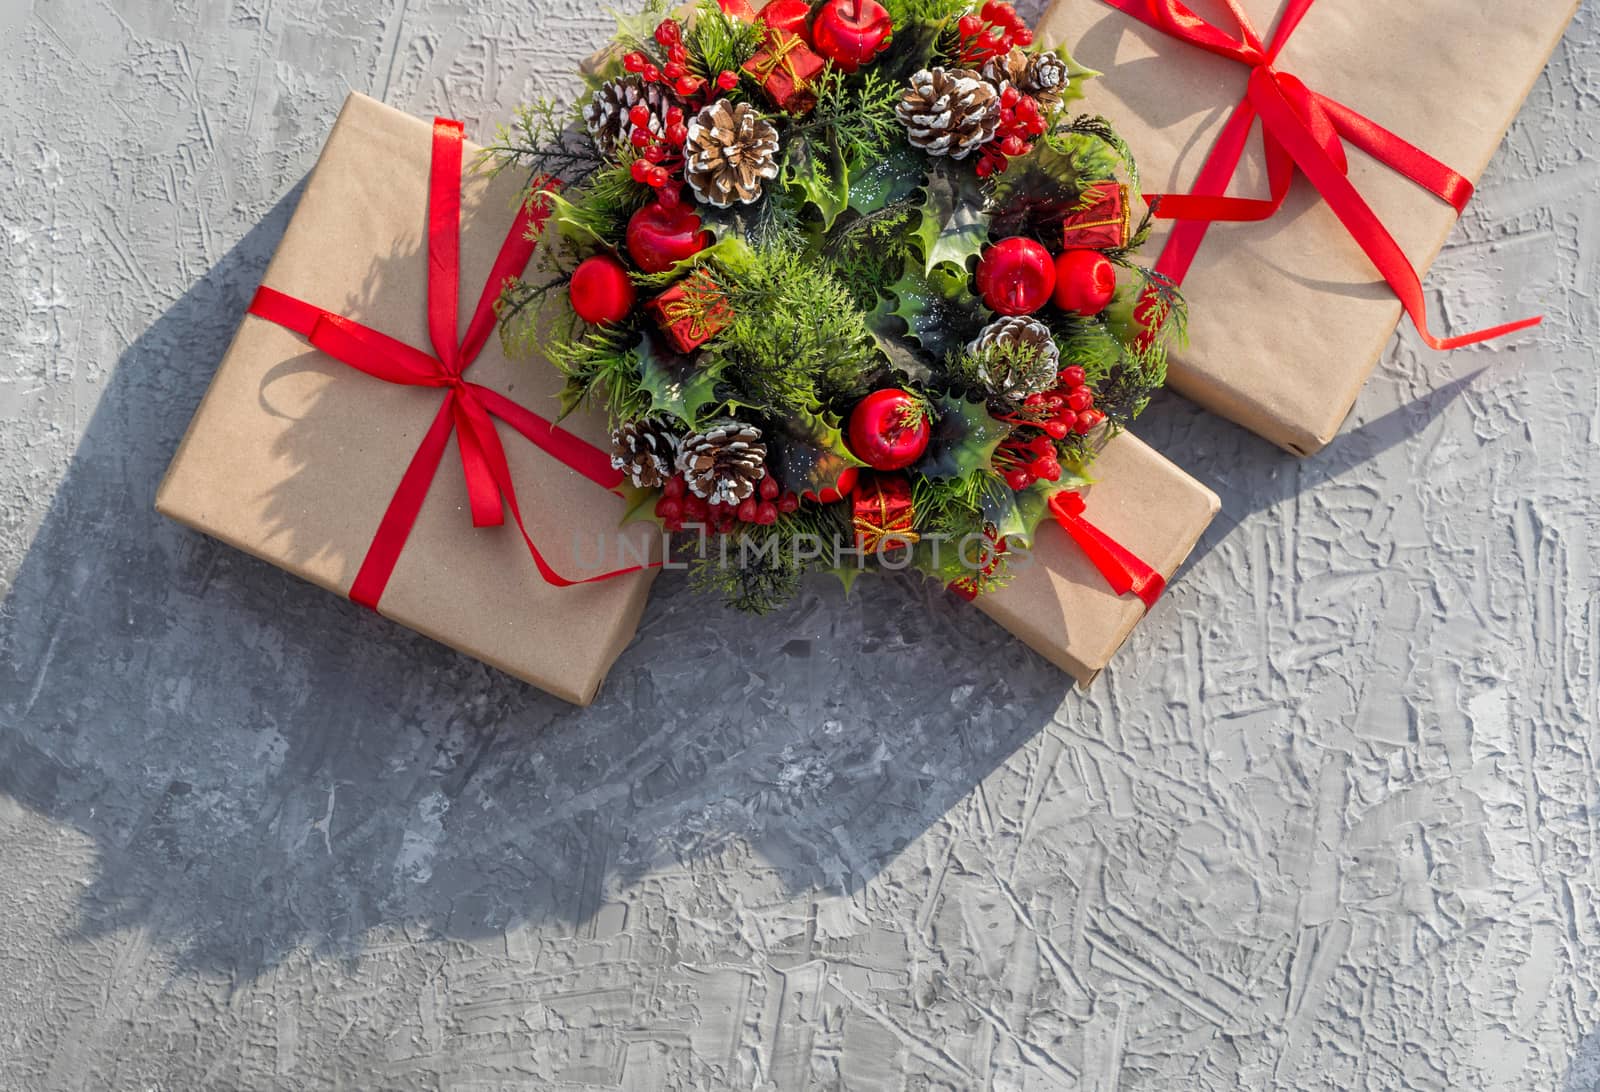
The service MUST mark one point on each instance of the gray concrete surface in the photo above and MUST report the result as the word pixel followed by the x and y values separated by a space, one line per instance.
pixel 1330 821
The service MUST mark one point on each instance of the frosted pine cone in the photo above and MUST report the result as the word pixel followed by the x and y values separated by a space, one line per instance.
pixel 724 463
pixel 1017 357
pixel 608 112
pixel 951 112
pixel 645 452
pixel 730 150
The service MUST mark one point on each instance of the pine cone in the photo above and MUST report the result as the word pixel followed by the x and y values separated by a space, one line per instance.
pixel 724 463
pixel 645 452
pixel 1017 357
pixel 1047 79
pixel 1007 68
pixel 950 112
pixel 730 149
pixel 1041 75
pixel 607 115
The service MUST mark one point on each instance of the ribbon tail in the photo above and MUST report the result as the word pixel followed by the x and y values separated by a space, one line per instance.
pixel 482 463
pixel 1123 570
pixel 1399 154
pixel 401 515
pixel 563 446
pixel 1357 216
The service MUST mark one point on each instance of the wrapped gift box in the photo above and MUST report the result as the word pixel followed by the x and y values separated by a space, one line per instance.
pixel 294 457
pixel 1288 316
pixel 1058 603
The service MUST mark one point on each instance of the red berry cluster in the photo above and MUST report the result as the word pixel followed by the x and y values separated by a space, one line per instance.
pixel 1068 408
pixel 679 508
pixel 991 32
pixel 661 157
pixel 1020 121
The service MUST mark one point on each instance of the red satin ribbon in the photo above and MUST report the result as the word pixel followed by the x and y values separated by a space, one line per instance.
pixel 1303 129
pixel 469 410
pixel 1123 569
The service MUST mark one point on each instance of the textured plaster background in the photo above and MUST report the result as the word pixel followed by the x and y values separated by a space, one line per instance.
pixel 1329 822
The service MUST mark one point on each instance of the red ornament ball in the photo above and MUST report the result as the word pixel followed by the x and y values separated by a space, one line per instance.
pixel 889 429
pixel 601 291
pixel 661 235
pixel 1085 282
pixel 850 33
pixel 1016 276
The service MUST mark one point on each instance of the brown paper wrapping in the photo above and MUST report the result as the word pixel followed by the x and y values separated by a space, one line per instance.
pixel 1288 317
pixel 1058 604
pixel 294 457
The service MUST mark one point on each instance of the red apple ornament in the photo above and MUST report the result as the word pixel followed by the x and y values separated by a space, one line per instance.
pixel 1085 282
pixel 789 16
pixel 889 429
pixel 660 236
pixel 601 291
pixel 1016 276
pixel 851 33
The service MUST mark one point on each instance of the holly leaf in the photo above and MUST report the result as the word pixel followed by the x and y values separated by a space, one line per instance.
pixel 848 575
pixel 938 308
pixel 821 175
pixel 678 385
pixel 1017 516
pixel 893 176
pixel 807 452
pixel 1077 75
pixel 640 503
pixel 954 225
pixel 963 438
pixel 889 331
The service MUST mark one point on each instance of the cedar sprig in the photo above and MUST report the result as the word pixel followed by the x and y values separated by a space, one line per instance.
pixel 797 338
pixel 599 366
pixel 718 42
pixel 854 116
pixel 759 568
pixel 545 140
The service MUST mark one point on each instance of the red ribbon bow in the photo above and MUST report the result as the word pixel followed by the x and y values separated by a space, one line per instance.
pixel 469 410
pixel 1304 129
pixel 1122 568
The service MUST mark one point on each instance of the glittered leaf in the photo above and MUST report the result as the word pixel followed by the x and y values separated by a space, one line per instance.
pixel 964 438
pixel 894 176
pixel 954 226
pixel 889 331
pixel 939 309
pixel 807 452
pixel 1043 186
pixel 677 385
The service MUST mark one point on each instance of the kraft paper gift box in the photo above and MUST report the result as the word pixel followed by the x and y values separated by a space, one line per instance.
pixel 1288 316
pixel 1058 603
pixel 294 457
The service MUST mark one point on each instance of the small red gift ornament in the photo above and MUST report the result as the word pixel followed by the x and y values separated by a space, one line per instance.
pixel 691 312
pixel 785 68
pixel 1105 221
pixel 882 513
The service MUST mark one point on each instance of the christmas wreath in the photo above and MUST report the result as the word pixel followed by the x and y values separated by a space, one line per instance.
pixel 851 283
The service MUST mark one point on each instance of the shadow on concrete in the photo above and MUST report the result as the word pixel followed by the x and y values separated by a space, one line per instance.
pixel 262 766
